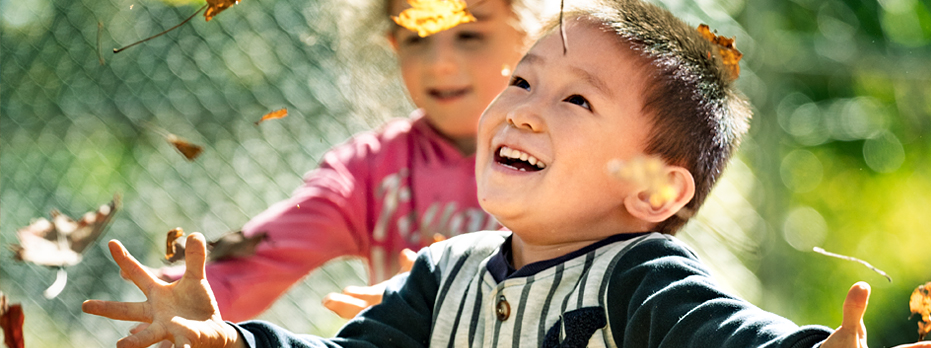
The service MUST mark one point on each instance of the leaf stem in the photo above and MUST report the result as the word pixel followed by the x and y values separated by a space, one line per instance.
pixel 118 50
pixel 848 258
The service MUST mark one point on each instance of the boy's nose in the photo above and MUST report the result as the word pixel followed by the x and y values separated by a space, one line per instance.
pixel 525 117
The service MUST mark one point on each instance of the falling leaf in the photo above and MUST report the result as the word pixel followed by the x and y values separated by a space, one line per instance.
pixel 854 259
pixel 428 17
pixel 190 151
pixel 11 320
pixel 214 7
pixel 920 303
pixel 60 242
pixel 174 245
pixel 647 171
pixel 228 246
pixel 281 113
pixel 729 54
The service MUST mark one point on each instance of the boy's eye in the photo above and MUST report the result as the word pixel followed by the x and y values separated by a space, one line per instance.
pixel 578 100
pixel 519 82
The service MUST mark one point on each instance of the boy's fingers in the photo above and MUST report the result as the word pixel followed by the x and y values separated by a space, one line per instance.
pixel 195 255
pixel 344 305
pixel 141 339
pixel 855 305
pixel 130 268
pixel 406 260
pixel 136 329
pixel 126 311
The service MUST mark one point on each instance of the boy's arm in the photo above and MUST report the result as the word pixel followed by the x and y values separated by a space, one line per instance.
pixel 185 313
pixel 403 319
pixel 661 296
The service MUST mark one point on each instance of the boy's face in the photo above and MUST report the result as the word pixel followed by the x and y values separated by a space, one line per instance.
pixel 573 113
pixel 455 73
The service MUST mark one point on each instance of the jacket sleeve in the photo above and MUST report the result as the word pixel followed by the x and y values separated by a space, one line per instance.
pixel 403 319
pixel 661 296
pixel 322 220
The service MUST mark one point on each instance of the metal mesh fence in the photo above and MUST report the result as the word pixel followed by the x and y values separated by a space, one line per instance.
pixel 74 132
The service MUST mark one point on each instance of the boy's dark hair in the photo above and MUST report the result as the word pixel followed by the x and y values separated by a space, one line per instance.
pixel 698 115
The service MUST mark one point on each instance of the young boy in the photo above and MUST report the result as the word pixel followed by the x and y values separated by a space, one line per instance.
pixel 580 266
pixel 385 191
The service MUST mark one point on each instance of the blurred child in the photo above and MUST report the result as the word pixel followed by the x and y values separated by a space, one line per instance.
pixel 391 189
pixel 590 259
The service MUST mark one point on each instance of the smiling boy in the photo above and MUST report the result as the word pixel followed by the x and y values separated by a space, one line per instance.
pixel 589 259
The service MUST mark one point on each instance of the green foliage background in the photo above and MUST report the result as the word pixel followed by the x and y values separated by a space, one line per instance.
pixel 837 156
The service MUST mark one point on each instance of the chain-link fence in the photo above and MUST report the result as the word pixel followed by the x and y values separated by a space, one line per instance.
pixel 79 124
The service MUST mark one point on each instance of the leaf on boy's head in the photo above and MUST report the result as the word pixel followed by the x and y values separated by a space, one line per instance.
pixel 428 17
pixel 920 303
pixel 11 320
pixel 646 171
pixel 729 54
pixel 214 7
pixel 190 151
pixel 281 113
pixel 60 242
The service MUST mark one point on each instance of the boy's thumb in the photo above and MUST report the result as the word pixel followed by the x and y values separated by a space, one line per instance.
pixel 855 305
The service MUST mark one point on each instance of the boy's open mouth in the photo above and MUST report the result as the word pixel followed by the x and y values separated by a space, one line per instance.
pixel 443 94
pixel 517 159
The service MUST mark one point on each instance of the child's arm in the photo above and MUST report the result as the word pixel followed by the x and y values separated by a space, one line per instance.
pixel 183 312
pixel 852 332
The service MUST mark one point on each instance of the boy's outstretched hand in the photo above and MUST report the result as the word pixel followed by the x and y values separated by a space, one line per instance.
pixel 183 312
pixel 852 332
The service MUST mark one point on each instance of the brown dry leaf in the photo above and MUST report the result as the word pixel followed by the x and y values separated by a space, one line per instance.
pixel 214 7
pixel 428 17
pixel 920 303
pixel 729 54
pixel 273 115
pixel 228 246
pixel 11 320
pixel 174 245
pixel 60 242
pixel 190 151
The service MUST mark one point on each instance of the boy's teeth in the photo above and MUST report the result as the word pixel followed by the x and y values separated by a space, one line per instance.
pixel 507 152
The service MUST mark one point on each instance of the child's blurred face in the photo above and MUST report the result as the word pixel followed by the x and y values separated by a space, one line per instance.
pixel 455 73
pixel 544 143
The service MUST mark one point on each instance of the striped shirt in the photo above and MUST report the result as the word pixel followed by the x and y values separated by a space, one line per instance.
pixel 629 290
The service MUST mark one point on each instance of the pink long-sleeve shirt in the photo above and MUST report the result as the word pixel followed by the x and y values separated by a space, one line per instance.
pixel 371 197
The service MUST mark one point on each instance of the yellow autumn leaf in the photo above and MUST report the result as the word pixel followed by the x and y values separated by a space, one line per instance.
pixel 428 17
pixel 214 7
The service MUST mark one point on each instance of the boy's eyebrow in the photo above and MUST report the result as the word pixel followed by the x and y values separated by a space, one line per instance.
pixel 599 84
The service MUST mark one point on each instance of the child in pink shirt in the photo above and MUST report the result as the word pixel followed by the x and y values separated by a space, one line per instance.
pixel 391 189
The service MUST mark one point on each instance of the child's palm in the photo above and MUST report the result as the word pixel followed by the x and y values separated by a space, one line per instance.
pixel 852 332
pixel 183 312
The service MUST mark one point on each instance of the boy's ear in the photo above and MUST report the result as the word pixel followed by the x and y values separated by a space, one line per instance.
pixel 657 203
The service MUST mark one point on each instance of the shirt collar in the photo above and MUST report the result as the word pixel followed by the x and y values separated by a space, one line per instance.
pixel 500 266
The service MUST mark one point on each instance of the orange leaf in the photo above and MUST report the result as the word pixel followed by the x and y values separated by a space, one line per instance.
pixel 216 6
pixel 273 115
pixel 428 17
pixel 11 320
pixel 729 54
pixel 920 303
pixel 190 151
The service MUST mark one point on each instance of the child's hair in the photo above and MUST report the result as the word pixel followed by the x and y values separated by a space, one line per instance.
pixel 698 115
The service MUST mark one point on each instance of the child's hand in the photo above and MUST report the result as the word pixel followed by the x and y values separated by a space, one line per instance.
pixel 852 332
pixel 354 299
pixel 183 312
